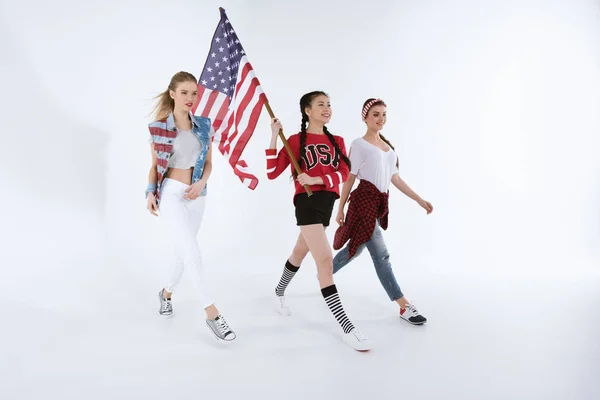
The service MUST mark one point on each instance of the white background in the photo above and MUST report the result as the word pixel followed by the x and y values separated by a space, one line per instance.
pixel 493 110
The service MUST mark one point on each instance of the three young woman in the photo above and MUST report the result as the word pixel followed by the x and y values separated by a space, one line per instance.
pixel 375 164
pixel 181 150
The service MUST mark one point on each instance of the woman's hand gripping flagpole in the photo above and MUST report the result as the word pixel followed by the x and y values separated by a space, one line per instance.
pixel 288 149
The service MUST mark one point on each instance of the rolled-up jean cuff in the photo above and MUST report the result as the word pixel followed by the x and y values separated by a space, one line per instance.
pixel 151 188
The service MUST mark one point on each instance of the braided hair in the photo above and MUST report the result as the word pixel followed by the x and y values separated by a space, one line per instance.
pixel 377 102
pixel 305 102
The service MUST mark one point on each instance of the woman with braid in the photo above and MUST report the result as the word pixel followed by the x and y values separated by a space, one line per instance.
pixel 324 164
pixel 375 164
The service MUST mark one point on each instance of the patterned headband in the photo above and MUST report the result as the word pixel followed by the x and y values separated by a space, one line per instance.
pixel 368 106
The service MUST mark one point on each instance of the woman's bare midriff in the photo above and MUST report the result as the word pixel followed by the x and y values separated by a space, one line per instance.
pixel 181 175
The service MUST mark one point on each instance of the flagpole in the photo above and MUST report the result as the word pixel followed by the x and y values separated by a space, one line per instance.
pixel 283 139
pixel 288 148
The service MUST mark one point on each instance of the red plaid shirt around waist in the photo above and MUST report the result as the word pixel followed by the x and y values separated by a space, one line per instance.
pixel 366 205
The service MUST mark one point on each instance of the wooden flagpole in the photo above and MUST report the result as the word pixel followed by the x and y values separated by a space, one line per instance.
pixel 288 149
pixel 283 140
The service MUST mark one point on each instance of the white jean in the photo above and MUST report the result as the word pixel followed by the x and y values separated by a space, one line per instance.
pixel 182 219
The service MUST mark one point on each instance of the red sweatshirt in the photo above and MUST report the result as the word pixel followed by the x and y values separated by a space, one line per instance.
pixel 320 159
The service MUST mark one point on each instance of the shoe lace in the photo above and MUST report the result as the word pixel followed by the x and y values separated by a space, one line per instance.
pixel 412 310
pixel 358 335
pixel 222 325
pixel 166 305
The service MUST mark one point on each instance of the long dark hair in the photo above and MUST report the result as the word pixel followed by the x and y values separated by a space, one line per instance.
pixel 305 102
pixel 378 102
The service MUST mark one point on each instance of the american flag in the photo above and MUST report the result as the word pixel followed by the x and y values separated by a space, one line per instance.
pixel 231 96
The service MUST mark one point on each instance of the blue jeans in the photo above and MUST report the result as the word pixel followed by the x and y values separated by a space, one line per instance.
pixel 381 261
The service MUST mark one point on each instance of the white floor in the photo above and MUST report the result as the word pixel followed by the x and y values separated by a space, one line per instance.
pixel 488 337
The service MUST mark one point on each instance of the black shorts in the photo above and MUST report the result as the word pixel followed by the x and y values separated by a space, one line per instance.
pixel 315 209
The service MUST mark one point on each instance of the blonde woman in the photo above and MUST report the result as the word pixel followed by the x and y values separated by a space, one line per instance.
pixel 177 185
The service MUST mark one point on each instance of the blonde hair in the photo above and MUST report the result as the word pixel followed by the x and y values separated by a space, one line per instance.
pixel 165 104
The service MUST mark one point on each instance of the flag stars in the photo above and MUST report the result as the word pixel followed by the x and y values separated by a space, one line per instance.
pixel 224 59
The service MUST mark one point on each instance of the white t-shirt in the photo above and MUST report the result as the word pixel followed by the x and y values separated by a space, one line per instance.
pixel 186 149
pixel 372 164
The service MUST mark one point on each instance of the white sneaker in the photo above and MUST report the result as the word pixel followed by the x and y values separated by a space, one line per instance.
pixel 357 340
pixel 411 315
pixel 281 306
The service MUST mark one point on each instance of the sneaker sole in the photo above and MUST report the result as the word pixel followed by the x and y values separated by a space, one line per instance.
pixel 217 336
pixel 359 350
pixel 278 311
pixel 414 323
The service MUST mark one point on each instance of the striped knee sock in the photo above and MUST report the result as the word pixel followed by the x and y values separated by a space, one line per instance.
pixel 332 299
pixel 288 273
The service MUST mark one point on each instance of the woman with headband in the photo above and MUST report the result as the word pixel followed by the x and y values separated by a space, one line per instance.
pixel 374 162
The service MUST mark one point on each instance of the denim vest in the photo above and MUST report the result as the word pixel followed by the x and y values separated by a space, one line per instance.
pixel 163 135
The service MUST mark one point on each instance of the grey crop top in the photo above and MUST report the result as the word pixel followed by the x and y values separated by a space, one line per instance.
pixel 186 149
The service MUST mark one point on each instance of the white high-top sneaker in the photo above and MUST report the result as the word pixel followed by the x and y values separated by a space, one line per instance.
pixel 357 340
pixel 281 306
